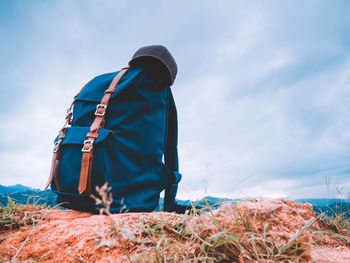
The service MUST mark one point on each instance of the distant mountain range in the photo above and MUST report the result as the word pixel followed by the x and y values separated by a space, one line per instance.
pixel 15 188
pixel 22 194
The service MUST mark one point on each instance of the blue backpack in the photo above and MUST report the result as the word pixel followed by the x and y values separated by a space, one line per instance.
pixel 119 129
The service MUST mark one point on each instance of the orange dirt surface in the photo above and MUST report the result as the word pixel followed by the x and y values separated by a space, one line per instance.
pixel 71 236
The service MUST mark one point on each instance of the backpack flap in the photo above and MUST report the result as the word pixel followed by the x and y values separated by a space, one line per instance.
pixel 94 90
pixel 77 135
pixel 69 166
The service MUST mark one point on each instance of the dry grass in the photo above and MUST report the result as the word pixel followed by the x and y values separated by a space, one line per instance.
pixel 200 237
pixel 175 243
pixel 338 223
pixel 105 198
pixel 15 215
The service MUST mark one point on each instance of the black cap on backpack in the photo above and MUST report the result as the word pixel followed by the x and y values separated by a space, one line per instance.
pixel 159 53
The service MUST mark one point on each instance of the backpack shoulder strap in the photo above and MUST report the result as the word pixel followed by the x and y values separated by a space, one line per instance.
pixel 171 154
pixel 172 161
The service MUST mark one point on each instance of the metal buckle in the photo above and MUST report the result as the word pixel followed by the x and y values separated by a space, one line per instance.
pixel 57 146
pixel 69 116
pixel 90 148
pixel 104 110
pixel 69 112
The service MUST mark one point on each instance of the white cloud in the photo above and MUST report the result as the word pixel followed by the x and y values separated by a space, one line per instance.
pixel 262 91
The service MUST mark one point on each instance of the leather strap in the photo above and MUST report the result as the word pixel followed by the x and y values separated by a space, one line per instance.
pixel 56 158
pixel 88 150
pixel 85 173
pixel 56 175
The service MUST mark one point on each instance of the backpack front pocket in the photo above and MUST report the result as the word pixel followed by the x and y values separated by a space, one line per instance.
pixel 70 162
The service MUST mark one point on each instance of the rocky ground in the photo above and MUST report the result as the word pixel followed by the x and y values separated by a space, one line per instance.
pixel 268 231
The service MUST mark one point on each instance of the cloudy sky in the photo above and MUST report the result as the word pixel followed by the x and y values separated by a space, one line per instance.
pixel 263 87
